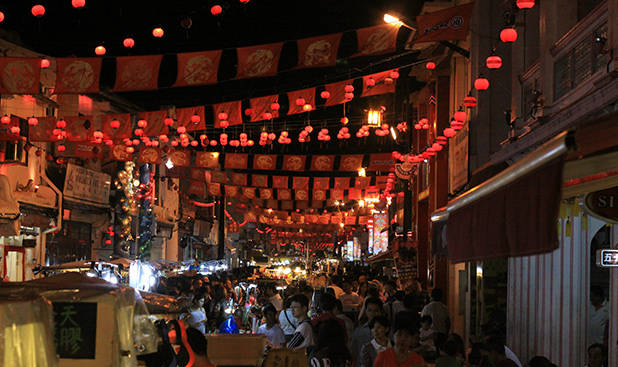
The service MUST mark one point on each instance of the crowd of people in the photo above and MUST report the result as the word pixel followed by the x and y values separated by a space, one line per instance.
pixel 349 321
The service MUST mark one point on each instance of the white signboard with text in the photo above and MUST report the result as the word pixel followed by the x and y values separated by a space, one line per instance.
pixel 85 184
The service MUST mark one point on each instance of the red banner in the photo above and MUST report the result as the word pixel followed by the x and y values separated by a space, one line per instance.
pixel 318 51
pixel 284 194
pixel 236 161
pixel 231 191
pixel 259 180
pixel 197 68
pixel 207 159
pixel 351 162
pixel 355 194
pixel 445 25
pixel 294 162
pixel 20 75
pixel 78 75
pixel 300 182
pixel 280 182
pixel 258 61
pixel 319 195
pixel 180 157
pixel 197 188
pixel 337 92
pixel 149 155
pixel 183 118
pixel 382 83
pixel 214 189
pixel 118 153
pixel 261 105
pixel 321 183
pixel 232 109
pixel 124 131
pixel 380 162
pixel 198 174
pixel 266 194
pixel 361 182
pixel 349 220
pixel 239 179
pixel 322 162
pixel 308 95
pixel 342 183
pixel 377 40
pixel 336 194
pixel 218 177
pixel 137 73
pixel 248 192
pixel 43 130
pixel 324 219
pixel 156 122
pixel 79 128
pixel 301 194
pixel 81 150
pixel 265 162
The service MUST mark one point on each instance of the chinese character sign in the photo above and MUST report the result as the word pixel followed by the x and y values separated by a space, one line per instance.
pixel 75 329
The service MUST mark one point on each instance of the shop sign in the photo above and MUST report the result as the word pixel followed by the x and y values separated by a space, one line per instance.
pixel 607 258
pixel 603 204
pixel 85 184
pixel 75 328
pixel 458 160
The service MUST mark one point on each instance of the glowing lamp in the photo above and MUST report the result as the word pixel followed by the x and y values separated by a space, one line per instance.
pixel 494 62
pixel 129 150
pixel 481 83
pixel 250 143
pixel 98 134
pixel 234 143
pixel 163 138
pixel 268 115
pixel 1 17
pixel 370 82
pixel 345 120
pixel 44 63
pixel 33 121
pixel 61 148
pixel 243 136
pixel 38 10
pixel 216 10
pixel 525 4
pixel 469 101
pixel 139 132
pixel 309 128
pixel 174 143
pixel 158 32
pixel 213 143
pixel 56 132
pixel 307 107
pixel 325 94
pixel 275 106
pixel 5 119
pixel 394 74
pixel 349 96
pixel 349 88
pixel 508 35
pixel 78 3
pixel 135 141
pixel 430 65
pixel 114 124
pixel 264 135
pixel 128 42
pixel 100 50
pixel 195 119
pixel 168 121
pixel 222 116
pixel 437 147
pixel 248 111
pixel 224 123
pixel 391 19
pixel 194 143
pixel 272 136
pixel 460 116
pixel 142 123
pixel 300 101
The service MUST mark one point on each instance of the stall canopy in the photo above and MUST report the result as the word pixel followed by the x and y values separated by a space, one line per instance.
pixel 512 214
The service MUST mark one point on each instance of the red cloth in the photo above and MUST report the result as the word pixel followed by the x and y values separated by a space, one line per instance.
pixel 387 358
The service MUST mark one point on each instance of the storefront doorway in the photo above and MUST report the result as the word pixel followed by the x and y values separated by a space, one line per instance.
pixel 73 243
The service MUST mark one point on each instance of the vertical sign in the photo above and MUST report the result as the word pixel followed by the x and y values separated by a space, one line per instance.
pixel 458 160
pixel 75 329
pixel 380 239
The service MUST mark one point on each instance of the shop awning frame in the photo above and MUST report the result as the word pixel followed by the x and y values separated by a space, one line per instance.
pixel 546 153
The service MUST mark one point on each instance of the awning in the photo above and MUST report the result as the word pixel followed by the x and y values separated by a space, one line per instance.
pixel 387 255
pixel 513 213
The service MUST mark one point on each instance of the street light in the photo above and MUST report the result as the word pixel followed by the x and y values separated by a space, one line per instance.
pixel 393 20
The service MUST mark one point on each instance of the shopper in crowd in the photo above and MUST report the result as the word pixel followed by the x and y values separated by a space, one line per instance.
pixel 496 354
pixel 274 335
pixel 363 288
pixel 333 283
pixel 380 328
pixel 330 349
pixel 350 299
pixel 599 316
pixel 438 312
pixel 426 334
pixel 597 355
pixel 362 335
pixel 273 296
pixel 539 361
pixel 401 354
pixel 197 342
pixel 287 321
pixel 349 324
pixel 303 335
pixel 196 316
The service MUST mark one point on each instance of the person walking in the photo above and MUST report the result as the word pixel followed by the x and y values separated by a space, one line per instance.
pixel 439 313
pixel 274 335
pixel 380 328
pixel 303 335
pixel 401 354
pixel 330 349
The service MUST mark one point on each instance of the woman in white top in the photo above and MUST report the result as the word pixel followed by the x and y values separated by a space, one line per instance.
pixel 196 317
pixel 272 330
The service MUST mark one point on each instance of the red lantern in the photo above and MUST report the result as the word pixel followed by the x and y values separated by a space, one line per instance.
pixel 248 111
pixel 268 115
pixel 224 124
pixel 15 130
pixel 222 116
pixel 244 1
pixel 1 17
pixel 437 147
pixel 142 123
pixel 195 119
pixel 100 50
pixel 349 88
pixel 139 132
pixel 274 106
pixel 243 136
pixel 371 82
pixel 307 107
pixel 61 148
pixel 168 121
pixel 234 143
pixel 508 35
pixel 78 3
pixel 181 129
pixel 349 96
pixel 158 32
pixel 128 42
pixel 388 80
pixel 38 10
pixel 114 124
pixel 481 83
pixel 300 101
pixel 344 120
pixel 129 150
pixel 325 94
pixel 135 141
pixel 163 138
pixel 213 143
pixel 525 4
pixel 250 143
pixel 430 65
pixel 44 63
pixel 194 143
pixel 394 74
pixel 494 62
pixel 460 116
pixel 5 119
pixel 272 136
pixel 33 121
pixel 309 128
pixel 469 101
pixel 216 10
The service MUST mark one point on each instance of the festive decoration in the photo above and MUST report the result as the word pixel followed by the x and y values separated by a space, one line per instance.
pixel 525 4
pixel 494 62
pixel 430 65
pixel 1 17
pixel 481 83
pixel 38 10
pixel 158 32
pixel 216 10
pixel 460 115
pixel 45 63
pixel 508 35
pixel 469 101
pixel 100 50
pixel 127 184
pixel 128 42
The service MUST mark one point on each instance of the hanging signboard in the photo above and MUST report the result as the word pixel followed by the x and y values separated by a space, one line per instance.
pixel 607 258
pixel 84 184
pixel 458 160
pixel 75 329
pixel 603 204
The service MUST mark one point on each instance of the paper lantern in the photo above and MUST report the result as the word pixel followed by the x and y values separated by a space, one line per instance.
pixel 300 101
pixel 525 4
pixel 272 136
pixel 184 143
pixel 244 1
pixel 460 116
pixel 508 35
pixel 61 148
pixel 307 107
pixel 5 119
pixel 494 62
pixel 224 123
pixel 469 102
pixel 222 116
pixel 181 129
pixel 163 138
pixel 78 3
pixel 114 124
pixel 250 143
pixel 168 121
pixel 129 150
pixel 216 10
pixel 135 141
pixel 345 120
pixel 38 10
pixel 98 134
pixel 234 143
pixel 370 82
pixel 128 42
pixel 142 123
pixel 268 115
pixel 349 88
pixel 33 121
pixel 394 74
pixel 263 135
pixel 430 65
pixel 158 32
pixel 44 63
pixel 437 147
pixel 481 83
pixel 309 128
pixel 248 111
pixel 194 143
pixel 388 80
pixel 325 94
pixel 139 132
pixel 243 136
pixel 213 143
pixel 100 50
pixel 195 118
pixel 1 17
pixel 274 106
pixel 349 96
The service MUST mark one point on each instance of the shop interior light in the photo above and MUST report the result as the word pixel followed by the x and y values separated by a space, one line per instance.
pixel 169 164
pixel 374 118
pixel 391 19
pixel 362 172
pixel 393 133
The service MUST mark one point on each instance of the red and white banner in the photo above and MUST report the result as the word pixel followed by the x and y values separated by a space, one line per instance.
pixel 261 105
pixel 197 68
pixel 118 153
pixel 258 61
pixel 20 75
pixel 137 73
pixel 207 159
pixel 351 162
pixel 377 40
pixel 381 83
pixel 280 182
pixel 236 161
pixel 321 183
pixel 233 111
pixel 78 75
pixel 259 180
pixel 318 51
pixel 300 182
pixel 180 157
pixel 184 115
pixel 322 162
pixel 197 188
pixel 294 162
pixel 239 179
pixel 149 155
pixel 265 162
pixel 308 96
pixel 445 25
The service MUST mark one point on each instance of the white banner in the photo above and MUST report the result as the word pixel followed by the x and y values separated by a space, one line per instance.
pixel 88 185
